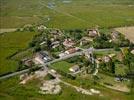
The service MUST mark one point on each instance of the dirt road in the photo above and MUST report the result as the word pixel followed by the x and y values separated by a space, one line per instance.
pixel 7 30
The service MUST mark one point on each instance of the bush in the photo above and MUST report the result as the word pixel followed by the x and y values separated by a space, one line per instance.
pixel 49 77
pixel 32 44
pixel 73 59
pixel 66 75
pixel 37 49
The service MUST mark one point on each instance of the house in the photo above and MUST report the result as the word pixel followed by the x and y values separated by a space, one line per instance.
pixel 74 68
pixel 71 50
pixel 41 57
pixel 27 62
pixel 42 43
pixel 106 59
pixel 68 43
pixel 55 44
pixel 132 51
pixel 115 35
pixel 62 54
pixel 41 28
pixel 112 55
pixel 85 40
pixel 93 33
pixel 55 32
pixel 98 60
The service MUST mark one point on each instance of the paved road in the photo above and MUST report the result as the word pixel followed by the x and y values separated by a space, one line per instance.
pixel 14 74
pixel 55 60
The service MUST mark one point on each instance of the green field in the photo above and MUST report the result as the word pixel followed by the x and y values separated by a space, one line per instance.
pixel 9 44
pixel 11 90
pixel 62 65
pixel 76 14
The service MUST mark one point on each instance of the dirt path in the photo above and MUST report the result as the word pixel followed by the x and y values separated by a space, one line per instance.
pixel 79 89
pixel 7 30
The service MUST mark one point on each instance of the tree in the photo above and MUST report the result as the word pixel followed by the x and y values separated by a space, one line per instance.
pixel 78 31
pixel 95 79
pixel 78 36
pixel 113 68
pixel 32 44
pixel 49 43
pixel 37 48
pixel 31 29
pixel 116 47
pixel 86 64
pixel 20 65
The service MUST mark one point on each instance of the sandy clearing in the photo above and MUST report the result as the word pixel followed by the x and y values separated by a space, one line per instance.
pixel 7 30
pixel 127 31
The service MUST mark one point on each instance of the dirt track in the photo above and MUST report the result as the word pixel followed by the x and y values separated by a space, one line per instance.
pixel 7 30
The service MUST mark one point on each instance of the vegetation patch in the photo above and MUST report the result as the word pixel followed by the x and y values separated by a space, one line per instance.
pixel 11 43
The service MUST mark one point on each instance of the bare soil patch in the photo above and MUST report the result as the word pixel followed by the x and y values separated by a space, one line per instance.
pixel 127 31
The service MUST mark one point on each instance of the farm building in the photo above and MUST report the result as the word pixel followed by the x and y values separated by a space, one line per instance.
pixel 68 43
pixel 74 68
pixel 93 32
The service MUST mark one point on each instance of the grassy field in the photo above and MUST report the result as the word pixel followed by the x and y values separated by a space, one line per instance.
pixel 9 44
pixel 109 94
pixel 11 90
pixel 76 14
pixel 62 65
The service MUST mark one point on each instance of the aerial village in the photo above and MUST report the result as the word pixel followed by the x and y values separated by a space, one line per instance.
pixel 58 56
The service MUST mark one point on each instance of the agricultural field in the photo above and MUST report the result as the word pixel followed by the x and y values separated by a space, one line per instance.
pixel 72 15
pixel 128 32
pixel 9 44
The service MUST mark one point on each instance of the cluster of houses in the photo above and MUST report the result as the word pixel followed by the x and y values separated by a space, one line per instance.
pixel 69 51
pixel 106 58
pixel 93 32
pixel 41 57
pixel 69 45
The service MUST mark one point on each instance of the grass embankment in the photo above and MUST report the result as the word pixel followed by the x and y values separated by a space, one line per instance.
pixel 9 44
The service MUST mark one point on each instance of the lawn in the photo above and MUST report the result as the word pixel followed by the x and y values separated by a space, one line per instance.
pixel 10 43
pixel 104 53
pixel 62 65
pixel 120 69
